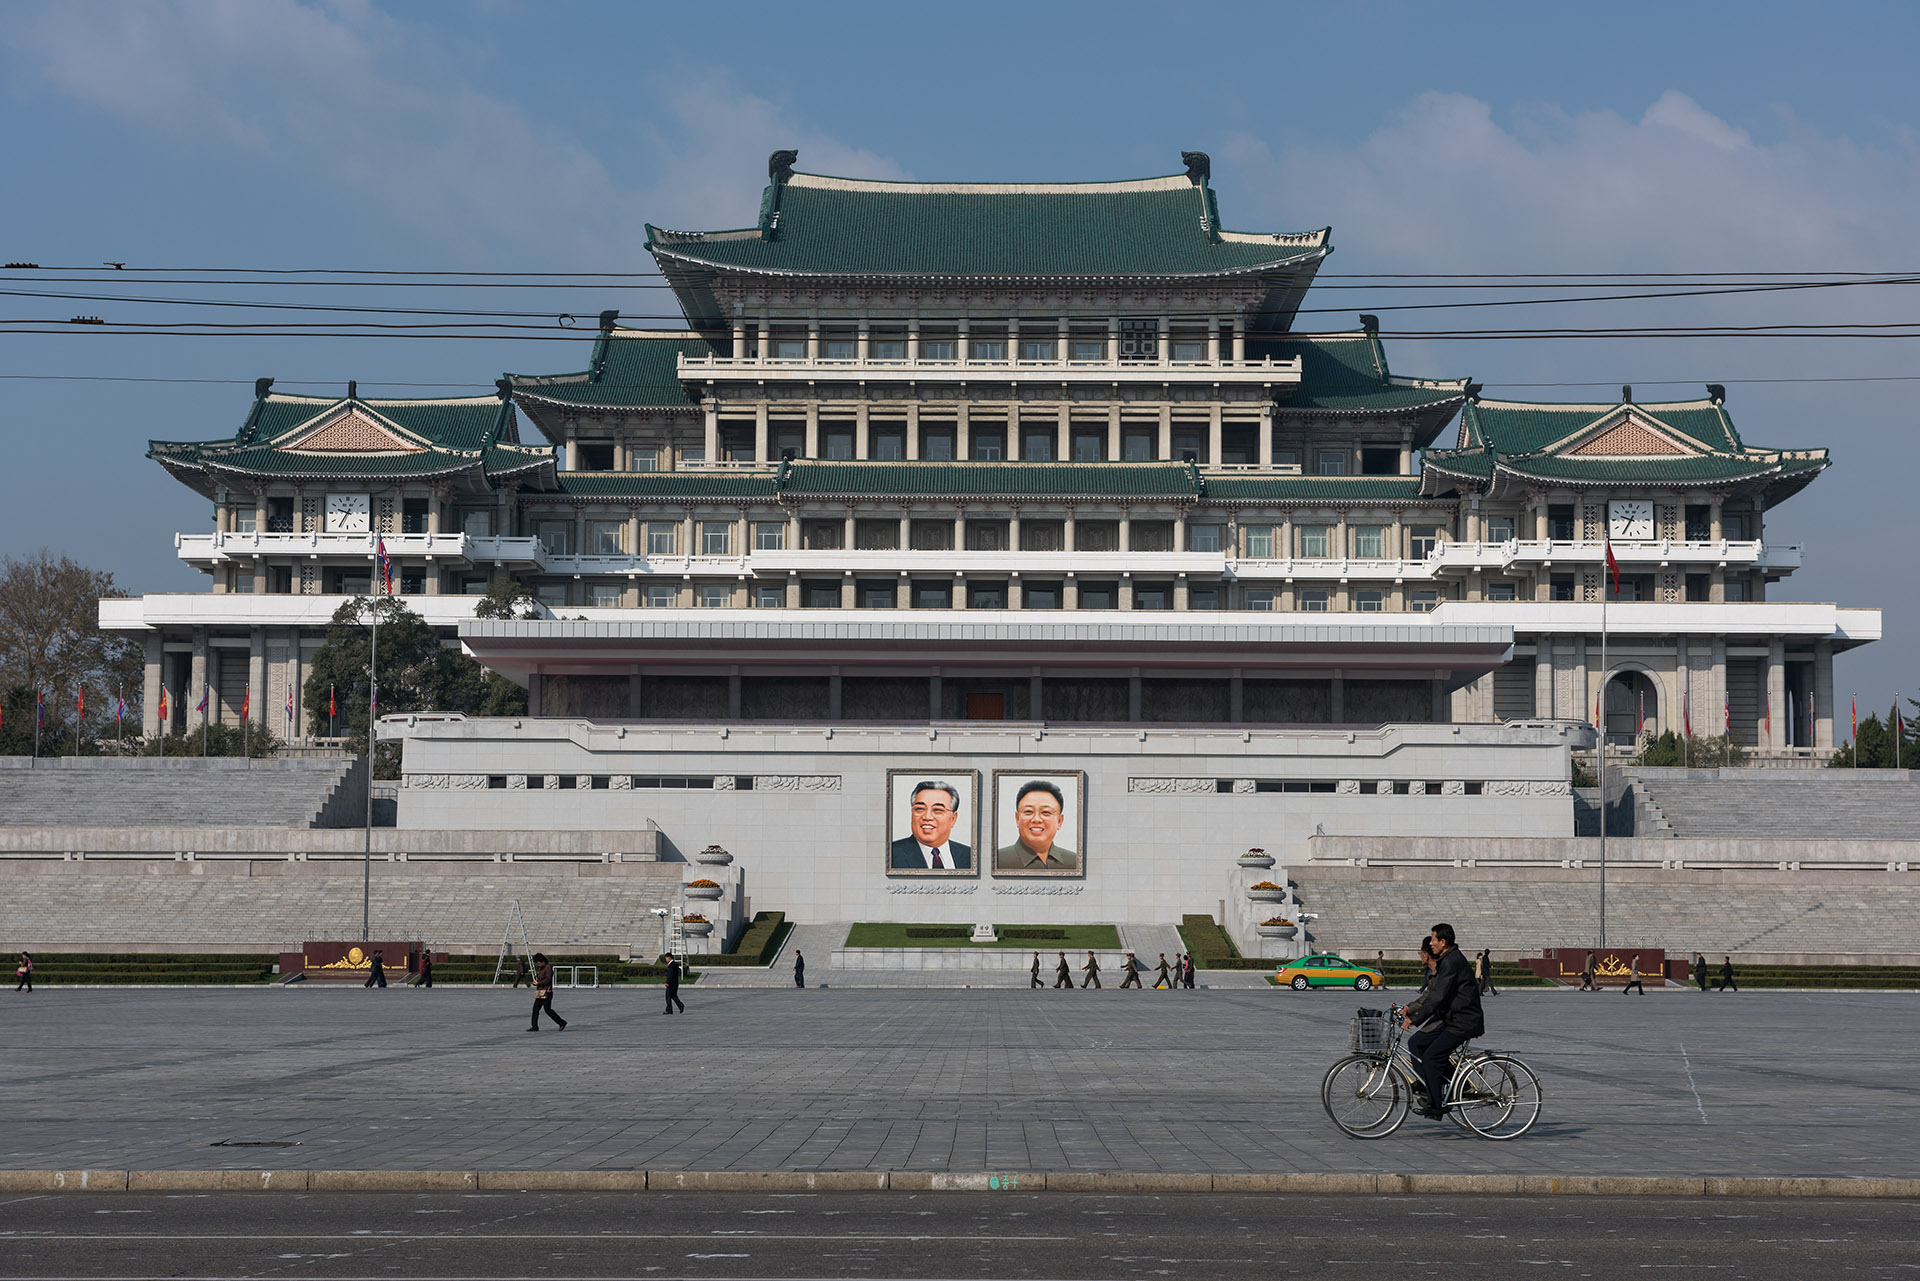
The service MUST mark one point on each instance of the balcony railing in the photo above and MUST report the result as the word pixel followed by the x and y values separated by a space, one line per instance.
pixel 983 564
pixel 1450 557
pixel 771 369
pixel 214 549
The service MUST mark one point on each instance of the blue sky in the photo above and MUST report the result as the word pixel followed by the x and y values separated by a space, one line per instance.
pixel 521 136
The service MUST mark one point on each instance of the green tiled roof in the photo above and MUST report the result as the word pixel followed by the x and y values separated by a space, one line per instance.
pixel 988 480
pixel 1514 427
pixel 1348 374
pixel 1653 471
pixel 1311 489
pixel 467 422
pixel 814 225
pixel 669 484
pixel 630 369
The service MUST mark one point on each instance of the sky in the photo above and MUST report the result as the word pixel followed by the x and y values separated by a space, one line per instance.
pixel 505 136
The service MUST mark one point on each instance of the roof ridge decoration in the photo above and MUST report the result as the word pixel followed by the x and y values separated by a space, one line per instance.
pixel 353 429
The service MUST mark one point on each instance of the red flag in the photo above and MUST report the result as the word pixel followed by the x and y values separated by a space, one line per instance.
pixel 246 702
pixel 1686 715
pixel 1766 713
pixel 385 566
pixel 330 707
pixel 80 702
pixel 163 706
pixel 1726 714
pixel 1854 710
pixel 1613 566
pixel 1640 722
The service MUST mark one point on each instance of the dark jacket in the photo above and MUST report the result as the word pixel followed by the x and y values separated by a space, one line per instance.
pixel 1452 995
pixel 673 975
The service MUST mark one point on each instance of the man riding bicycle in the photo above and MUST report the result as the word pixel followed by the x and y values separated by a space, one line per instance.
pixel 1448 1014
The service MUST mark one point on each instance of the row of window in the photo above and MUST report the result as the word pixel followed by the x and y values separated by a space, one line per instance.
pixel 1092 594
pixel 1137 339
pixel 1038 442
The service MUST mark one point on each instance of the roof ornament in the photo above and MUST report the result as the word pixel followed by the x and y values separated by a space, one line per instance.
pixel 1473 391
pixel 606 320
pixel 1199 167
pixel 353 389
pixel 1718 392
pixel 503 388
pixel 261 386
pixel 1370 323
pixel 780 166
pixel 1626 394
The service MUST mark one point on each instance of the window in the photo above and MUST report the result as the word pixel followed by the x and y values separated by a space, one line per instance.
pixel 888 349
pixel 1036 444
pixel 770 536
pixel 987 348
pixel 1500 529
pixel 1560 587
pixel 554 535
pixel 663 538
pixel 933 595
pixel 1425 539
pixel 1315 541
pixel 986 595
pixel 1138 446
pixel 1370 601
pixel 1368 544
pixel 1699 586
pixel 989 444
pixel 875 595
pixel 279 515
pixel 473 587
pixel 1186 350
pixel 1153 596
pixel 1041 535
pixel 817 594
pixel 280 581
pixel 789 349
pixel 712 596
pixel 476 524
pixel 1699 523
pixel 1380 461
pixel 1042 595
pixel 603 537
pixel 986 535
pixel 1089 446
pixel 789 442
pixel 645 459
pixel 876 535
pixel 658 595
pixel 1733 527
pixel 552 595
pixel 1501 591
pixel 1286 460
pixel 769 596
pixel 693 454
pixel 1331 462
pixel 716 538
pixel 1203 598
pixel 932 535
pixel 593 455
pixel 937 349
pixel 936 444
pixel 1560 523
pixel 1203 538
pixel 245 520
pixel 1260 598
pixel 839 442
pixel 412 583
pixel 1037 348
pixel 1315 601
pixel 1735 589
pixel 1260 542
pixel 1190 445
pixel 836 348
pixel 1151 536
pixel 1099 595
pixel 1096 536
pixel 890 446
pixel 243 582
pixel 1089 349
pixel 603 595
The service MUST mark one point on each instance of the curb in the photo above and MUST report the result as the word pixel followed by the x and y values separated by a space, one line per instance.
pixel 17 1181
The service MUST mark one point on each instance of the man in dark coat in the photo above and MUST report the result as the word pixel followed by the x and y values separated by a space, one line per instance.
pixel 1036 971
pixel 1700 970
pixel 1062 976
pixel 673 986
pixel 377 976
pixel 1726 976
pixel 1448 1013
pixel 799 969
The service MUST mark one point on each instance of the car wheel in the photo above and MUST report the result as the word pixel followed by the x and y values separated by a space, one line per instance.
pixel 1299 983
pixel 1362 983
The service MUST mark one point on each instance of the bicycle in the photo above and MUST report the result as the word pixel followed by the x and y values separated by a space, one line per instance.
pixel 1369 1093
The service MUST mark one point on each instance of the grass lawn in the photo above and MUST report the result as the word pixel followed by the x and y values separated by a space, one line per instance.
pixel 890 934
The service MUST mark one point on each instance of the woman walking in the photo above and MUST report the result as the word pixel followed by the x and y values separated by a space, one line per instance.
pixel 543 992
pixel 1485 974
pixel 24 972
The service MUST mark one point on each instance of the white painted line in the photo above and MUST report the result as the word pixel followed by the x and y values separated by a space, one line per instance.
pixel 1686 1063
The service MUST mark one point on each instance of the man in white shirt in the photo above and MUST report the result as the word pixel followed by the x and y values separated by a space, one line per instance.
pixel 935 809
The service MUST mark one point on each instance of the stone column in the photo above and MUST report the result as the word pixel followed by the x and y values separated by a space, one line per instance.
pixel 962 433
pixel 1543 665
pixel 1013 591
pixel 793 589
pixel 847 589
pixel 1775 723
pixel 760 454
pixel 150 685
pixel 1113 340
pixel 813 338
pixel 1719 711
pixel 1180 597
pixel 1114 448
pixel 1823 695
pixel 1165 452
pixel 256 674
pixel 1064 432
pixel 1239 342
pixel 913 430
pixel 1265 455
pixel 199 678
pixel 913 340
pixel 1213 345
pixel 1214 435
pixel 862 438
pixel 712 430
pixel 862 345
pixel 1013 435
pixel 1070 593
pixel 812 443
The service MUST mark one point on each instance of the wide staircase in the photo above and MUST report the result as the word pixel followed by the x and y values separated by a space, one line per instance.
pixel 1833 804
pixel 177 792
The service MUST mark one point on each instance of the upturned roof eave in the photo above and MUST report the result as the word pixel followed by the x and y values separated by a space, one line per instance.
pixel 1311 254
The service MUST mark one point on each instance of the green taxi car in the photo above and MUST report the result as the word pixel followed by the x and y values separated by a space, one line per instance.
pixel 1323 969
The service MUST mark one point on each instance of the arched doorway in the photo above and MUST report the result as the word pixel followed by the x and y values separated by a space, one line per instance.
pixel 1633 708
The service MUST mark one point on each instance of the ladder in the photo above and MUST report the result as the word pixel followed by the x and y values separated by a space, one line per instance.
pixel 514 921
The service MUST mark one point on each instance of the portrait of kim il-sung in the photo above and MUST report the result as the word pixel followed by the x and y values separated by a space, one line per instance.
pixel 1039 824
pixel 932 820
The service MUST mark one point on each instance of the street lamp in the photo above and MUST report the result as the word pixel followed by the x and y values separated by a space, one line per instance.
pixel 661 912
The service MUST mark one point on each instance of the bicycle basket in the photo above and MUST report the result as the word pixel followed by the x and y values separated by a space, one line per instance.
pixel 1369 1032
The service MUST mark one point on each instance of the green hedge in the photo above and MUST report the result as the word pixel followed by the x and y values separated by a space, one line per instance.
pixel 214 968
pixel 1212 949
pixel 759 943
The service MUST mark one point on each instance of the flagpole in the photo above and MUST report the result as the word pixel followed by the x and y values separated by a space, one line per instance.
pixel 1604 673
pixel 373 709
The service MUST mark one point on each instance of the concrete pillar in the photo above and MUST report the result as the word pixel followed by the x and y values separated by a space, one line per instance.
pixel 1543 678
pixel 711 433
pixel 962 434
pixel 1013 435
pixel 156 653
pixel 862 438
pixel 1214 434
pixel 1265 456
pixel 1165 452
pixel 1013 591
pixel 1239 341
pixel 1823 695
pixel 1113 432
pixel 1180 597
pixel 1776 715
pixel 198 680
pixel 847 589
pixel 760 454
pixel 812 444
pixel 1064 433
pixel 256 674
pixel 1717 714
pixel 958 593
pixel 1213 342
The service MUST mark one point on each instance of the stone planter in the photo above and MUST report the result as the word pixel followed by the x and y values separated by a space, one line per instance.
pixel 1267 896
pixel 714 856
pixel 696 929
pixel 705 891
pixel 1276 931
pixel 1256 858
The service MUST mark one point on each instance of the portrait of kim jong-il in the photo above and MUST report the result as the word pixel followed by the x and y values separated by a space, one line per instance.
pixel 1037 824
pixel 930 818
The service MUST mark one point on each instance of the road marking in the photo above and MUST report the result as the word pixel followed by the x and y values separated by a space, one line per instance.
pixel 1686 1063
pixel 363 1237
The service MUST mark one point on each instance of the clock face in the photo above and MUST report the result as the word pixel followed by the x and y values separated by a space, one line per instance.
pixel 347 513
pixel 1630 521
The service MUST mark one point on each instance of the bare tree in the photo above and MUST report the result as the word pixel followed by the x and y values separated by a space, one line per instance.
pixel 51 642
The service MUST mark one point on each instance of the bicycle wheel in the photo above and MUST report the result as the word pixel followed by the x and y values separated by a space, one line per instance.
pixel 1517 1091
pixel 1363 1097
pixel 1481 1090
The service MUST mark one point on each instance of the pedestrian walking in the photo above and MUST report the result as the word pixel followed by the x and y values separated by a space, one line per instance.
pixel 543 993
pixel 1587 972
pixel 799 968
pixel 1700 971
pixel 1726 976
pixel 1160 979
pixel 1186 970
pixel 426 968
pixel 1090 971
pixel 377 976
pixel 673 986
pixel 521 974
pixel 1133 972
pixel 1062 975
pixel 1484 972
pixel 1036 972
pixel 24 973
pixel 1633 977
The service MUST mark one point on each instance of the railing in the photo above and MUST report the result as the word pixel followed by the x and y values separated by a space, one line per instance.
pixel 1462 555
pixel 218 546
pixel 1082 563
pixel 801 369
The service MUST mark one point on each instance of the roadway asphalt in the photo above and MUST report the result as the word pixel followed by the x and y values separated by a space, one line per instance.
pixel 510 1236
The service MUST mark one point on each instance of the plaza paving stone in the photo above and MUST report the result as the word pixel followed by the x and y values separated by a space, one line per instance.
pixel 1776 1084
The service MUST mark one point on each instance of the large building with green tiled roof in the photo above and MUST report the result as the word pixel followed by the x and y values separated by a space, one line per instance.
pixel 1030 413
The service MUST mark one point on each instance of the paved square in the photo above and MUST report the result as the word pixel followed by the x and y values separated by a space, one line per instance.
pixel 1677 1083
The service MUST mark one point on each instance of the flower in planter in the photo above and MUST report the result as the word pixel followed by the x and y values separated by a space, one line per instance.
pixel 694 918
pixel 1276 920
pixel 714 849
pixel 1255 852
pixel 703 884
pixel 1267 885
